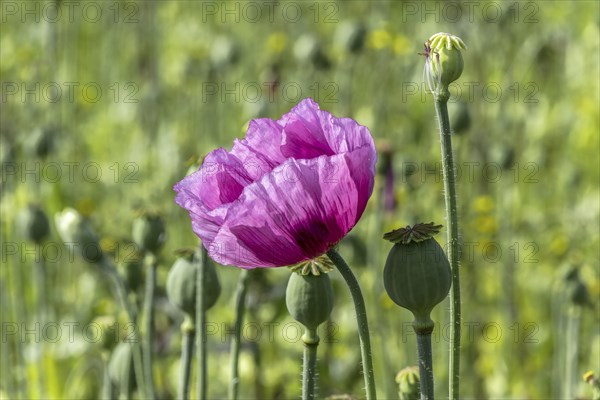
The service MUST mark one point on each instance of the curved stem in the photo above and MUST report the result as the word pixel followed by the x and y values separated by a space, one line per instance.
pixel 240 308
pixel 361 319
pixel 309 366
pixel 201 327
pixel 151 264
pixel 425 365
pixel 448 168
pixel 187 349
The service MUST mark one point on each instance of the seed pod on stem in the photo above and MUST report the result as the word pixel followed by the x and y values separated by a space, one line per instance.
pixel 417 277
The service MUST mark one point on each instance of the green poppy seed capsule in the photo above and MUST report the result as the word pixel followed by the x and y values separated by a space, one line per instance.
pixel 223 52
pixel 132 271
pixel 77 233
pixel 181 283
pixel 408 383
pixel 149 231
pixel 33 223
pixel 417 273
pixel 106 324
pixel 351 36
pixel 120 369
pixel 309 298
pixel 41 142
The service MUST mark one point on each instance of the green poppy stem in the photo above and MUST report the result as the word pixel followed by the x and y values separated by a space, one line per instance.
pixel 309 366
pixel 134 341
pixel 240 309
pixel 42 303
pixel 425 365
pixel 151 264
pixel 361 318
pixel 448 168
pixel 572 351
pixel 187 350
pixel 201 327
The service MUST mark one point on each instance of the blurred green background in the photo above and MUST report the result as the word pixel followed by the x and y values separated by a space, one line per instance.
pixel 106 104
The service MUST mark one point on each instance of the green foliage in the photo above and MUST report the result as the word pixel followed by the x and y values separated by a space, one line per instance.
pixel 180 78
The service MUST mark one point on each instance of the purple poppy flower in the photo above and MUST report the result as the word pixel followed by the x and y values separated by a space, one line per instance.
pixel 286 193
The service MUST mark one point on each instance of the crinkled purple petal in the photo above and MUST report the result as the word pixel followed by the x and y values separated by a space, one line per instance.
pixel 286 193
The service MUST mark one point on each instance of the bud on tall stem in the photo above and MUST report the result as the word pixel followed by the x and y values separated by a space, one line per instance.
pixel 444 64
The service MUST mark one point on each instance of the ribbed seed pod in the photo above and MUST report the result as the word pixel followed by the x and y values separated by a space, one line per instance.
pixel 417 273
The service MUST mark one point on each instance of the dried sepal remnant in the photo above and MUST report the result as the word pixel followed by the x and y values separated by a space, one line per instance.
pixel 417 233
pixel 316 266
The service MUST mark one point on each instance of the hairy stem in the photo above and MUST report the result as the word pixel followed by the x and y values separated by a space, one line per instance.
pixel 309 366
pixel 361 318
pixel 448 168
pixel 425 365
pixel 240 309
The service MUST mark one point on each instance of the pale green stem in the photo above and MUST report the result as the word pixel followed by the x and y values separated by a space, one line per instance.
pixel 448 168
pixel 201 327
pixel 309 366
pixel 572 351
pixel 40 277
pixel 361 319
pixel 240 309
pixel 151 264
pixel 187 350
pixel 131 314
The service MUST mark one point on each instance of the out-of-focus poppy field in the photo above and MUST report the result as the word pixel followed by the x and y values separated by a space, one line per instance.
pixel 106 105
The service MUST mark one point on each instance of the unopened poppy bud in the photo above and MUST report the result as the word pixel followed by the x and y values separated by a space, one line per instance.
pixel 417 273
pixel 181 282
pixel 33 223
pixel 78 233
pixel 149 231
pixel 577 291
pixel 132 271
pixel 223 52
pixel 41 142
pixel 308 49
pixel 351 36
pixel 309 298
pixel 444 62
pixel 106 324
pixel 408 383
pixel 120 369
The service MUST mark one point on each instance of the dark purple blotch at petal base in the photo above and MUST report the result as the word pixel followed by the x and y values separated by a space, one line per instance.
pixel 286 193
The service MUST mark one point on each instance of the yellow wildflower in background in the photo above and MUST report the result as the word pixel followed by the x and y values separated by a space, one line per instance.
pixel 483 204
pixel 379 39
pixel 402 45
pixel 276 42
